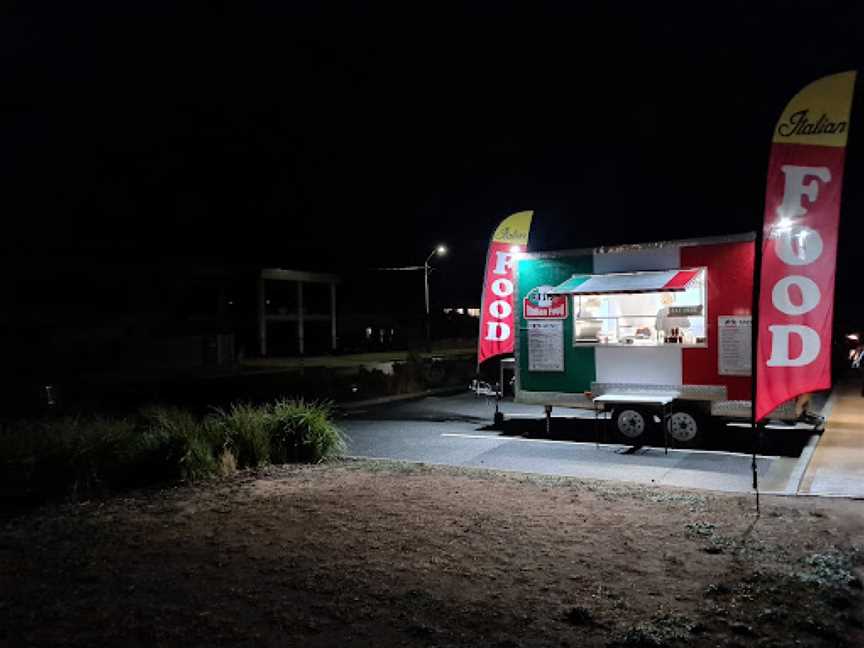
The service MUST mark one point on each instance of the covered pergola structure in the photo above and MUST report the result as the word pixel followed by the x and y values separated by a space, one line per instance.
pixel 299 314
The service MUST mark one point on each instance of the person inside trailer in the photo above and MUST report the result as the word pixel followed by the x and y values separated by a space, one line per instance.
pixel 670 326
pixel 641 317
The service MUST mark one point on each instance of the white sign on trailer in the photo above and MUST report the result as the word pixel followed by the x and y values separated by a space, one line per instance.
pixel 734 349
pixel 546 345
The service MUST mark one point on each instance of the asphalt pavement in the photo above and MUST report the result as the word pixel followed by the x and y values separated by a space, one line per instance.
pixel 457 431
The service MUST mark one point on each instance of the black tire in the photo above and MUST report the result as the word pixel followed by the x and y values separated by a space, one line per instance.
pixel 686 427
pixel 632 424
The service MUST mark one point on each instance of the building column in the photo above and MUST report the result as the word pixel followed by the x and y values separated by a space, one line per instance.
pixel 300 325
pixel 333 316
pixel 262 317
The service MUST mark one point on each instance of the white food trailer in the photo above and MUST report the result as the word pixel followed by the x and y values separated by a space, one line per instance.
pixel 642 331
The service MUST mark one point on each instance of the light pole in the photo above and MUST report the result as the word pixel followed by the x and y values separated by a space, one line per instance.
pixel 440 250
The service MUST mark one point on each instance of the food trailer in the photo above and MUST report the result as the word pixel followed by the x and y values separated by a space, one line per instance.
pixel 640 331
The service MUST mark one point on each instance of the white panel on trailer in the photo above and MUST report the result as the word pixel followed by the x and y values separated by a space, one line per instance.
pixel 639 365
pixel 647 366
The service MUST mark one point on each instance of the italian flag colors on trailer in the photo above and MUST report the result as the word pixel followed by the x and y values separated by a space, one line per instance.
pixel 627 283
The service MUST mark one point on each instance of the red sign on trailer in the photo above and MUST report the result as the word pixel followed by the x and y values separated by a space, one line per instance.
pixel 539 304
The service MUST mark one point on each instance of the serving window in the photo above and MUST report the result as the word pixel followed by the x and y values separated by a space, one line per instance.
pixel 645 318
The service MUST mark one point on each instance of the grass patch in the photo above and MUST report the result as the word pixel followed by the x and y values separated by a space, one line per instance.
pixel 766 603
pixel 700 529
pixel 662 630
pixel 829 569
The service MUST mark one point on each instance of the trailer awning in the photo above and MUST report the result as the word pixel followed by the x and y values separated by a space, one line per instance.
pixel 627 282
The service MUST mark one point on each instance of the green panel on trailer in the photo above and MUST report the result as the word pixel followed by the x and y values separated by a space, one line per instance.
pixel 579 369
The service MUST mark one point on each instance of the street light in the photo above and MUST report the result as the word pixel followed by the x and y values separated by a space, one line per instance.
pixel 440 250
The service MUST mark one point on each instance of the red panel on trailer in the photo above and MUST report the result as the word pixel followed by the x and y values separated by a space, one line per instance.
pixel 682 279
pixel 730 292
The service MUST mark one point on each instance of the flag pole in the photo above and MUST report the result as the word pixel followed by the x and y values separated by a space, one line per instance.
pixel 480 319
pixel 754 366
pixel 802 198
pixel 497 303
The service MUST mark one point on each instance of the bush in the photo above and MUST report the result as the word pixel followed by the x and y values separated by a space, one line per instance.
pixel 63 454
pixel 87 455
pixel 172 444
pixel 246 429
pixel 92 446
pixel 304 431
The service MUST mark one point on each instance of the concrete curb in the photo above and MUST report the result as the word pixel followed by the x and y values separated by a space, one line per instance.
pixel 829 405
pixel 438 391
pixel 604 480
pixel 797 475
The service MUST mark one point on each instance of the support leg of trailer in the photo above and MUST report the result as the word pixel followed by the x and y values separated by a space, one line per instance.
pixel 499 416
pixel 548 409
pixel 597 425
pixel 665 416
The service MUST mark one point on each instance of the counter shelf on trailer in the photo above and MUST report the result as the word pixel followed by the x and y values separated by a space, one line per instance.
pixel 626 323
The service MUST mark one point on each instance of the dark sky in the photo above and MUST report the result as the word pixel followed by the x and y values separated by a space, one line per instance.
pixel 358 136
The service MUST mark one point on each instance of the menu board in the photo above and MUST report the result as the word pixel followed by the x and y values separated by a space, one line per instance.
pixel 735 335
pixel 546 345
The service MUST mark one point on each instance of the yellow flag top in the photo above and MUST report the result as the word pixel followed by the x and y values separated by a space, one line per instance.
pixel 514 229
pixel 819 114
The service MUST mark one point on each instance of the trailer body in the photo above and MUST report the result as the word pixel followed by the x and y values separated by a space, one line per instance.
pixel 583 296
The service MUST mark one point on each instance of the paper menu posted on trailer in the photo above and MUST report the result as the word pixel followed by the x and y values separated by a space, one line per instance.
pixel 546 345
pixel 734 348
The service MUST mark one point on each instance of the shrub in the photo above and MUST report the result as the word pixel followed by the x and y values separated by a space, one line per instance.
pixel 246 429
pixel 226 463
pixel 62 454
pixel 172 444
pixel 93 448
pixel 86 455
pixel 304 431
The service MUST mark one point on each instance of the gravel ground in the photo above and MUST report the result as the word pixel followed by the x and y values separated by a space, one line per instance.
pixel 367 553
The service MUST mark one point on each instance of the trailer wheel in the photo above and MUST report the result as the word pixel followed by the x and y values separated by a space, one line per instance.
pixel 685 427
pixel 631 423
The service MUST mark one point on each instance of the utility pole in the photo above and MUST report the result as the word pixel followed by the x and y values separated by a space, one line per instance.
pixel 439 250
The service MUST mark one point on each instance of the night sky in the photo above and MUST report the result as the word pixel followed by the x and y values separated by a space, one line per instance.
pixel 355 137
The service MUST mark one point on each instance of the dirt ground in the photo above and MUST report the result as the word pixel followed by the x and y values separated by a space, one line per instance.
pixel 388 554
